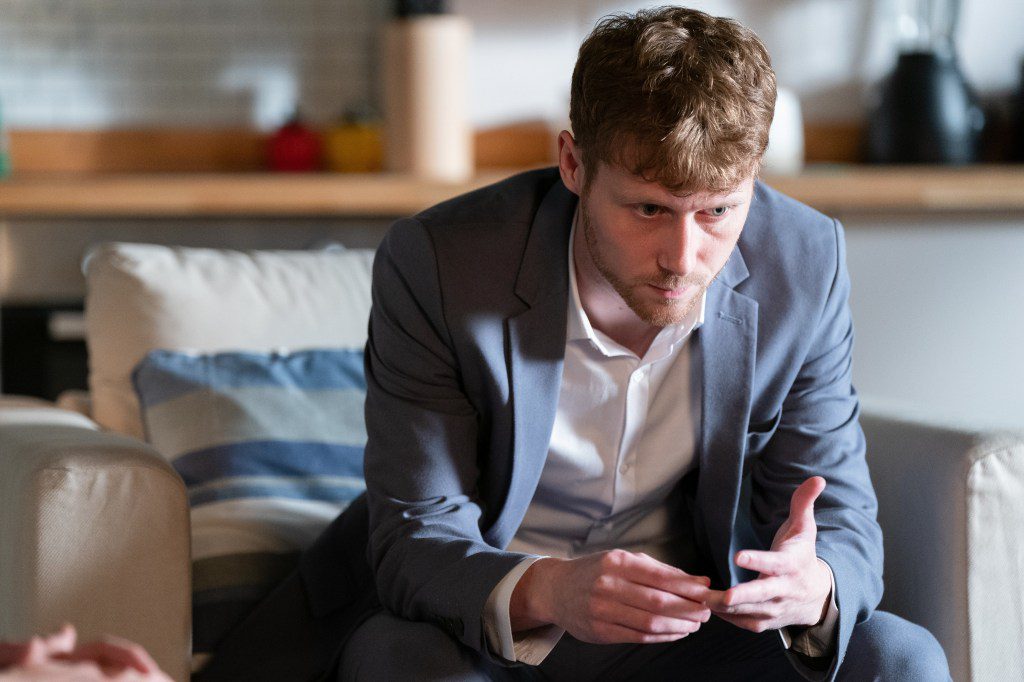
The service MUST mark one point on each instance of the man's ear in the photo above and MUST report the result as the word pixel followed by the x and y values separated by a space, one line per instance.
pixel 570 165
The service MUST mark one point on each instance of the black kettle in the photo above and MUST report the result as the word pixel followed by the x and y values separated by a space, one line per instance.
pixel 925 111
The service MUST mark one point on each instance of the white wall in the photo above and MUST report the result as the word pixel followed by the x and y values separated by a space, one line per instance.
pixel 829 51
pixel 938 307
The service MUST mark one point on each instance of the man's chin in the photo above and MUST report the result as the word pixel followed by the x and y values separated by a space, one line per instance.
pixel 661 318
pixel 666 313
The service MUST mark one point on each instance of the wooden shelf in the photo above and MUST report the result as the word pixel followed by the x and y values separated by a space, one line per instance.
pixel 828 188
pixel 989 188
pixel 223 194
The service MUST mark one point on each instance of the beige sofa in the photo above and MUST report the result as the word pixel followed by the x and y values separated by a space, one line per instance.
pixel 94 524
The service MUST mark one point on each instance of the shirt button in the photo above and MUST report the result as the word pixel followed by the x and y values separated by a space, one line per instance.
pixel 624 468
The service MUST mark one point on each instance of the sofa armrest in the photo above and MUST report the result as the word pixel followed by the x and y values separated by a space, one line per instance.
pixel 951 507
pixel 94 530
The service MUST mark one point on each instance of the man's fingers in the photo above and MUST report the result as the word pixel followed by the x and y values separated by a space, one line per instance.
pixel 771 563
pixel 753 592
pixel 113 652
pixel 612 633
pixel 661 602
pixel 801 505
pixel 63 640
pixel 752 623
pixel 644 570
pixel 767 610
pixel 651 623
pixel 132 654
pixel 17 653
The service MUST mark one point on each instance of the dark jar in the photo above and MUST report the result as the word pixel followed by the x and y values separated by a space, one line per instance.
pixel 925 113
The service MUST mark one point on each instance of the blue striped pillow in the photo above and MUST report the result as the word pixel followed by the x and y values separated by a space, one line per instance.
pixel 270 446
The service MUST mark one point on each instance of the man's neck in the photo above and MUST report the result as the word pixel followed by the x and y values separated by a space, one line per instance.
pixel 605 309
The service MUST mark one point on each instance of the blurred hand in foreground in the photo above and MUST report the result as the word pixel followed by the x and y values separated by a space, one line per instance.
pixel 57 658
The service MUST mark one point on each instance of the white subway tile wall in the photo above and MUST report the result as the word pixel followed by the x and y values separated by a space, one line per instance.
pixel 118 63
pixel 123 63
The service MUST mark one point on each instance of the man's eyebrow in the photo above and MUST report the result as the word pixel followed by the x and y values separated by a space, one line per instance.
pixel 642 196
pixel 634 196
pixel 735 196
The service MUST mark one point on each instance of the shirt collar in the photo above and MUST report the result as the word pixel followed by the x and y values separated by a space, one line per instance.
pixel 579 327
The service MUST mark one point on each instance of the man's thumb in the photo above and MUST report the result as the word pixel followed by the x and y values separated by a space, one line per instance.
pixel 801 507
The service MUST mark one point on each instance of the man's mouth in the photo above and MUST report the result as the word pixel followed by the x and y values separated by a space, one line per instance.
pixel 670 293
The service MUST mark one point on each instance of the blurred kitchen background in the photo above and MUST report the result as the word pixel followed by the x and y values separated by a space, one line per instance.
pixel 163 121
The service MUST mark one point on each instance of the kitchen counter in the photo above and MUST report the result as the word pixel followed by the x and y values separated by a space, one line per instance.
pixel 829 188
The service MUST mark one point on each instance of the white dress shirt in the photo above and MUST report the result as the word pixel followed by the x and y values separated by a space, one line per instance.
pixel 623 436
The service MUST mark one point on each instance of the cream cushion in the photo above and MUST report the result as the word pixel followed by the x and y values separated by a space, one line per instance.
pixel 140 297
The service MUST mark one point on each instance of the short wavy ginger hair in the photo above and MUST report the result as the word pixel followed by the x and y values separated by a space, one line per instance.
pixel 673 95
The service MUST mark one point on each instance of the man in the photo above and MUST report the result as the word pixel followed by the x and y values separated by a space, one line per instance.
pixel 611 427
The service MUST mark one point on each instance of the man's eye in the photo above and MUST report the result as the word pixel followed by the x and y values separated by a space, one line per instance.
pixel 649 210
pixel 718 211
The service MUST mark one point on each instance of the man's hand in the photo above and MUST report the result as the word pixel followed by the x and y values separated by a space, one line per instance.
pixel 611 597
pixel 56 658
pixel 793 586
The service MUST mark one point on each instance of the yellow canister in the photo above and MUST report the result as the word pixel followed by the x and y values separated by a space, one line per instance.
pixel 353 145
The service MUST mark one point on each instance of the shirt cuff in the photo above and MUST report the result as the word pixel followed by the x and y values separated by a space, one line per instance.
pixel 818 640
pixel 529 646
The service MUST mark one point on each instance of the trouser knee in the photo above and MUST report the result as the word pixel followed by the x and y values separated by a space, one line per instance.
pixel 387 647
pixel 887 647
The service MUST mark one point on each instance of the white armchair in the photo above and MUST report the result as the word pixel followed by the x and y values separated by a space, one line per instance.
pixel 951 507
pixel 94 524
pixel 94 530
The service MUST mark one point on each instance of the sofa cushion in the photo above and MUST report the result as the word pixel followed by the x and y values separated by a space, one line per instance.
pixel 270 446
pixel 144 296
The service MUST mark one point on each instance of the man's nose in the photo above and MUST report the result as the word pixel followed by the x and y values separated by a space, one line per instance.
pixel 679 252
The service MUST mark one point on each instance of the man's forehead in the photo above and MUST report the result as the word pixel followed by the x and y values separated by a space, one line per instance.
pixel 625 180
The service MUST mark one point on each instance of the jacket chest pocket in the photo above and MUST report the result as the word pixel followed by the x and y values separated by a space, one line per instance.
pixel 760 432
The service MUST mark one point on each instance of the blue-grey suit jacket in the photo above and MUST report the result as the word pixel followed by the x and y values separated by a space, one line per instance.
pixel 463 364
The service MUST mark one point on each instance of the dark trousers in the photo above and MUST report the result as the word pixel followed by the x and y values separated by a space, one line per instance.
pixel 885 647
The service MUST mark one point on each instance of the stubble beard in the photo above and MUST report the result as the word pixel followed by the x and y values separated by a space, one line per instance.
pixel 661 313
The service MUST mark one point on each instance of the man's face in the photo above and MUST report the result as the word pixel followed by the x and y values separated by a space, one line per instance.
pixel 659 251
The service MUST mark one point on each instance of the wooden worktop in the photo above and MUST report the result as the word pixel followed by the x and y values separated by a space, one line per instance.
pixel 828 188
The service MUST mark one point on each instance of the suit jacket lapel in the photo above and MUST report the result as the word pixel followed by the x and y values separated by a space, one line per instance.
pixel 727 344
pixel 536 353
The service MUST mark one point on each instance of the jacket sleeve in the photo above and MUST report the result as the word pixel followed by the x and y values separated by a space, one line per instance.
pixel 426 550
pixel 819 434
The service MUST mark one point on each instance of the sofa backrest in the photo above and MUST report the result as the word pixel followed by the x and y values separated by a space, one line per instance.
pixel 140 297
